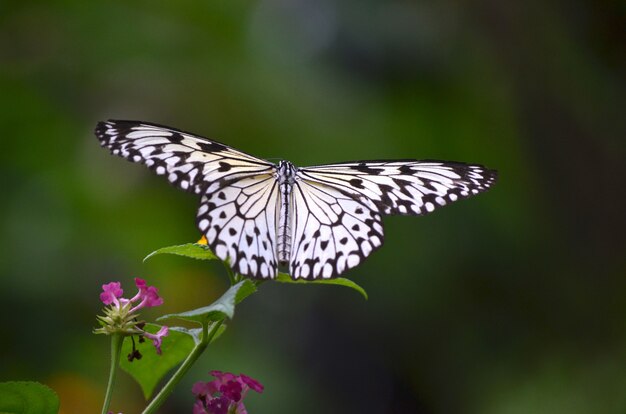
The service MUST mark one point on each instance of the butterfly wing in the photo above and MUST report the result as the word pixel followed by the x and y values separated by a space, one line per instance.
pixel 239 222
pixel 192 163
pixel 237 213
pixel 332 231
pixel 404 187
pixel 338 207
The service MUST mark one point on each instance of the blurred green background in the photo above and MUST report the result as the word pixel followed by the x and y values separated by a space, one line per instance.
pixel 511 302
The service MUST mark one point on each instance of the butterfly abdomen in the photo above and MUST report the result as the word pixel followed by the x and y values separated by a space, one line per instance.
pixel 285 175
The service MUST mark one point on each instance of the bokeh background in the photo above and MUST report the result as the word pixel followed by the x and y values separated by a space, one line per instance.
pixel 511 302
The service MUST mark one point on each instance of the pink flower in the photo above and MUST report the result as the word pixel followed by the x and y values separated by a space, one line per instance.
pixel 120 318
pixel 157 338
pixel 110 292
pixel 149 295
pixel 224 394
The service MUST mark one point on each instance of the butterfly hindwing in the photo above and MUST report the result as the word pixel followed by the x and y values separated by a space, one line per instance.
pixel 405 187
pixel 190 162
pixel 239 222
pixel 332 232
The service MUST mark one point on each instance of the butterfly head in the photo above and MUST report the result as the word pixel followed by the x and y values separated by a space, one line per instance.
pixel 286 172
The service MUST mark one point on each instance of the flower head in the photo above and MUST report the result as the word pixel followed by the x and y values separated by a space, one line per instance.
pixel 121 317
pixel 224 394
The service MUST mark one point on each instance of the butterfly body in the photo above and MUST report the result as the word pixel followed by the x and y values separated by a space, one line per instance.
pixel 286 177
pixel 318 221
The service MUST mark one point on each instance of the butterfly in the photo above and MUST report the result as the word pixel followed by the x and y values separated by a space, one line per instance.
pixel 317 221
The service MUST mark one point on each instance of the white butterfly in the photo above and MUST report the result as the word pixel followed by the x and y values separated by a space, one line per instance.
pixel 319 221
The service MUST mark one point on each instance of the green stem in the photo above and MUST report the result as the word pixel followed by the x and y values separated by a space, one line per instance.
pixel 168 388
pixel 116 348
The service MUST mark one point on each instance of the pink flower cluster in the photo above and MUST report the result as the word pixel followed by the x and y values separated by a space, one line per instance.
pixel 146 297
pixel 224 394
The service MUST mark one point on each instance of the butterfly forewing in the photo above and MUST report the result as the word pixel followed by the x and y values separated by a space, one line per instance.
pixel 404 187
pixel 332 231
pixel 190 162
pixel 239 222
pixel 238 206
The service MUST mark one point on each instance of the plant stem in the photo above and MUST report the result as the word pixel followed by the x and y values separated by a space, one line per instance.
pixel 168 388
pixel 116 348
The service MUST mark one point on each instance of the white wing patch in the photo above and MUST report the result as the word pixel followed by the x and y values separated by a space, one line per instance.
pixel 332 232
pixel 239 222
pixel 404 187
pixel 190 162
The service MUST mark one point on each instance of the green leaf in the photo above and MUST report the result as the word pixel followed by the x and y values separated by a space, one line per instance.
pixel 222 308
pixel 193 250
pixel 151 368
pixel 284 278
pixel 196 333
pixel 26 397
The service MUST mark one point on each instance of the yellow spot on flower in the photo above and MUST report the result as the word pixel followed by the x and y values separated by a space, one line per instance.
pixel 202 241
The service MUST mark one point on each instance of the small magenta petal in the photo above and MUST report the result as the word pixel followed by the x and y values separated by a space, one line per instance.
pixel 241 408
pixel 140 283
pixel 252 383
pixel 223 377
pixel 205 388
pixel 200 388
pixel 198 408
pixel 110 292
pixel 232 390
pixel 106 298
pixel 218 405
pixel 214 387
pixel 141 287
pixel 151 297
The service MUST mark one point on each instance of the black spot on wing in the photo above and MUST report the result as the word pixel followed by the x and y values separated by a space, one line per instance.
pixel 406 169
pixel 224 166
pixel 366 169
pixel 211 146
pixel 356 183
pixel 176 138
